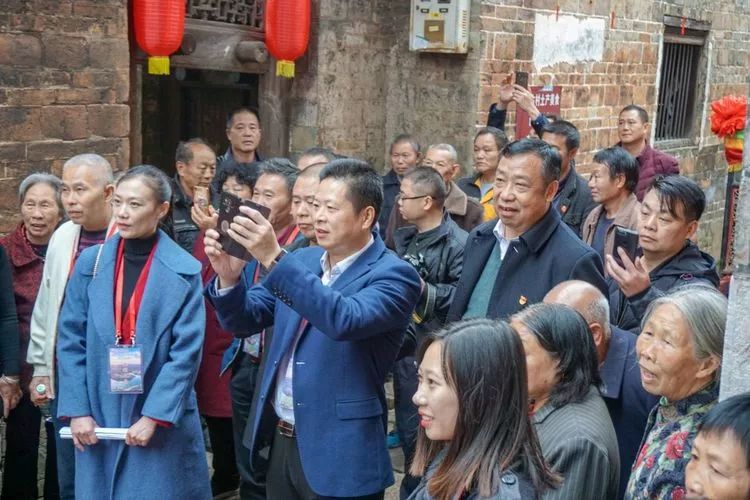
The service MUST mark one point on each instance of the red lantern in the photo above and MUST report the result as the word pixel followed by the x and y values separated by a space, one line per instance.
pixel 159 26
pixel 287 32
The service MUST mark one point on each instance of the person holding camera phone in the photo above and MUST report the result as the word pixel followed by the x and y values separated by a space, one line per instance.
pixel 614 176
pixel 668 220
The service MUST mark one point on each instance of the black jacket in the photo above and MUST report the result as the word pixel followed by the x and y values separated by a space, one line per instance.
pixel 440 268
pixel 575 200
pixel 391 187
pixel 545 255
pixel 185 231
pixel 689 266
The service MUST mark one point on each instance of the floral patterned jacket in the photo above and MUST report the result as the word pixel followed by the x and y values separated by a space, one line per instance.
pixel 659 470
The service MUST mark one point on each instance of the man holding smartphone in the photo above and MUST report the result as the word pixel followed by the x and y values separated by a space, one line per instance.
pixel 667 222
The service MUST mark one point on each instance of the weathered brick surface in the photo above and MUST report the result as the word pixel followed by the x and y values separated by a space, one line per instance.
pixel 594 92
pixel 64 88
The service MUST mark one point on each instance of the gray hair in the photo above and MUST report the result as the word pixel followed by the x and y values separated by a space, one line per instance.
pixel 597 311
pixel 447 148
pixel 92 161
pixel 41 178
pixel 704 310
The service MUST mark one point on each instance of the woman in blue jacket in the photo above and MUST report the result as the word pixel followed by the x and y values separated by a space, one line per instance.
pixel 129 345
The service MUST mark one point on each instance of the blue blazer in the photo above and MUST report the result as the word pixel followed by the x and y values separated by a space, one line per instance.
pixel 340 364
pixel 230 354
pixel 170 329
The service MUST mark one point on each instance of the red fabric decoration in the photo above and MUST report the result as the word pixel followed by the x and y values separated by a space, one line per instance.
pixel 287 32
pixel 728 115
pixel 159 27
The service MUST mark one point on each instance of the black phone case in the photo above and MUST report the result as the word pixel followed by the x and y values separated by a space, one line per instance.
pixel 229 207
pixel 628 241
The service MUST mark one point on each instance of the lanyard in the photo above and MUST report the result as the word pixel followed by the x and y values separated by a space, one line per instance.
pixel 125 326
pixel 112 230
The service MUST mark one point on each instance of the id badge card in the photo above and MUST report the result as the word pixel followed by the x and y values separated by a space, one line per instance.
pixel 125 369
pixel 251 345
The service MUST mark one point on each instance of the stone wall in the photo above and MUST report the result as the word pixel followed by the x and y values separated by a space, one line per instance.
pixel 64 88
pixel 360 86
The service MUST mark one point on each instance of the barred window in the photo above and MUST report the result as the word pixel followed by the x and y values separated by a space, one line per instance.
pixel 680 67
pixel 243 12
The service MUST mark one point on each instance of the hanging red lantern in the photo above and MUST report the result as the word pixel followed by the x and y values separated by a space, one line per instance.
pixel 287 32
pixel 159 27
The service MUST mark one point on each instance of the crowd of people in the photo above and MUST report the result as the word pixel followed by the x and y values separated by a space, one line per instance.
pixel 531 354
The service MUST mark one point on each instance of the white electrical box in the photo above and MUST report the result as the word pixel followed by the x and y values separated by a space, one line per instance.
pixel 439 26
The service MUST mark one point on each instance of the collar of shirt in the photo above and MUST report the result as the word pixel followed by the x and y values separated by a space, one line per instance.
pixel 499 233
pixel 331 274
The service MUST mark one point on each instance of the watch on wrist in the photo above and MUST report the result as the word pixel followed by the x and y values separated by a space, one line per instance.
pixel 276 260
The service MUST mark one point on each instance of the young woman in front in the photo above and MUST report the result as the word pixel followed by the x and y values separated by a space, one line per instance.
pixel 130 337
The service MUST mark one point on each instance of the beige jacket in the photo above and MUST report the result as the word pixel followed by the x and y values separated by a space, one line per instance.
pixel 43 328
pixel 626 217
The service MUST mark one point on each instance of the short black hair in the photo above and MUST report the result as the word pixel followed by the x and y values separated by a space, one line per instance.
pixel 327 153
pixel 674 189
pixel 642 114
pixel 281 167
pixel 550 157
pixel 565 335
pixel 242 109
pixel 430 183
pixel 245 173
pixel 564 129
pixel 407 138
pixel 501 140
pixel 364 183
pixel 184 152
pixel 620 162
pixel 731 415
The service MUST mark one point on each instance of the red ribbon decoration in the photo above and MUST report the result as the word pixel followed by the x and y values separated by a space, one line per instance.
pixel 612 20
pixel 683 23
pixel 125 326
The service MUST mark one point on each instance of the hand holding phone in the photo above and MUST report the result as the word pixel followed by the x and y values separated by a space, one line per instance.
pixel 522 79
pixel 628 241
pixel 229 208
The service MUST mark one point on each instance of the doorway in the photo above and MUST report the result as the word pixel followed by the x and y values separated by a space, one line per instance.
pixel 190 103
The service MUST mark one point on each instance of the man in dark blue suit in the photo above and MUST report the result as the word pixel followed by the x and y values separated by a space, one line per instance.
pixel 339 313
pixel 627 401
pixel 514 260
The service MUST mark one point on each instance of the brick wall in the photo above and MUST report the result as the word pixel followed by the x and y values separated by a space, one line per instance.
pixel 594 92
pixel 64 88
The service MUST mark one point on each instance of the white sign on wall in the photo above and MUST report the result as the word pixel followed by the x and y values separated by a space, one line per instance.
pixel 567 39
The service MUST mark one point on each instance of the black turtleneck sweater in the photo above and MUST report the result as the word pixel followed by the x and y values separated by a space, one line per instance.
pixel 135 254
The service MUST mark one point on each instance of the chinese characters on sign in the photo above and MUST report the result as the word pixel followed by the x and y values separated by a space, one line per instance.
pixel 547 101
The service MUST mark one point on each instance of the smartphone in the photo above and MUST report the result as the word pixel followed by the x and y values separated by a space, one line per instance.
pixel 522 79
pixel 628 241
pixel 229 208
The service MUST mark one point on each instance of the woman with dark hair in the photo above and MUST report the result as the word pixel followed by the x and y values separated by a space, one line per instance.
pixel 129 343
pixel 236 178
pixel 475 438
pixel 719 466
pixel 571 419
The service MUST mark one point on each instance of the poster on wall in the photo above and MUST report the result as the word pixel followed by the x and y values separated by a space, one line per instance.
pixel 546 99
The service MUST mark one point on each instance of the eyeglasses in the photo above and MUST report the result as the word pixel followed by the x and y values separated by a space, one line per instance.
pixel 404 198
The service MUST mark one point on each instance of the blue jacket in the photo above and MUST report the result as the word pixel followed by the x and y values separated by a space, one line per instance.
pixel 627 401
pixel 545 255
pixel 170 330
pixel 236 346
pixel 340 363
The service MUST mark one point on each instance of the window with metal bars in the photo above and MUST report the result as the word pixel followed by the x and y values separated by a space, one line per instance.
pixel 681 58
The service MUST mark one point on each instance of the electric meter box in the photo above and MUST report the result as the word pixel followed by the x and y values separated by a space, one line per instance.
pixel 439 26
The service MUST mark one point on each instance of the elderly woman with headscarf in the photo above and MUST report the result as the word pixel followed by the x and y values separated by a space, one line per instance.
pixel 679 352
